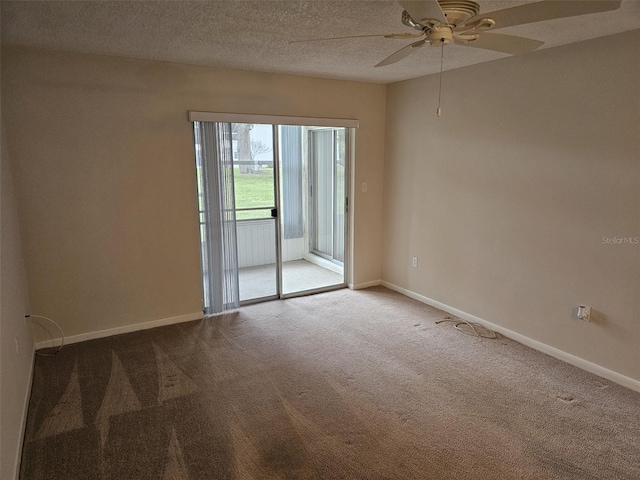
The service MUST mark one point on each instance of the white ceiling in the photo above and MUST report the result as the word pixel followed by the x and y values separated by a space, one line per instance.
pixel 256 35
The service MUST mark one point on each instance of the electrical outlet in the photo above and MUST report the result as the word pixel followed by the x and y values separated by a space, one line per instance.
pixel 584 313
pixel 414 262
pixel 364 187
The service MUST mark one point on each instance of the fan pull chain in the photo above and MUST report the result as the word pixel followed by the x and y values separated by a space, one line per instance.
pixel 439 110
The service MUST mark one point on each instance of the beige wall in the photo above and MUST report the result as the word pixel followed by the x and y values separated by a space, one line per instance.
pixel 104 175
pixel 506 198
pixel 15 366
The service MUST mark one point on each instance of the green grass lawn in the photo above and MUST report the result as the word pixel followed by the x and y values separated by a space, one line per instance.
pixel 254 190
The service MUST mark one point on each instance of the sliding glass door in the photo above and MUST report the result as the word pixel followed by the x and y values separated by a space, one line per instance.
pixel 314 166
pixel 285 205
pixel 255 176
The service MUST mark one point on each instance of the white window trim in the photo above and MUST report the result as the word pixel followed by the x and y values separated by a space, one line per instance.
pixel 272 119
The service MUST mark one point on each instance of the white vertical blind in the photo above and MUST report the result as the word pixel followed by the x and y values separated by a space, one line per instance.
pixel 291 181
pixel 323 190
pixel 339 205
pixel 216 201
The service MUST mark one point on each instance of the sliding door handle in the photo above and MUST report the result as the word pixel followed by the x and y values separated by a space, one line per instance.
pixel 274 212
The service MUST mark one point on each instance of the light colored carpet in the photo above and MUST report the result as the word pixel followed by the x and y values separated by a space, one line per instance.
pixel 341 385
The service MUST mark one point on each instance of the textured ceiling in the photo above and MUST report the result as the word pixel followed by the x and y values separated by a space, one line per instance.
pixel 256 35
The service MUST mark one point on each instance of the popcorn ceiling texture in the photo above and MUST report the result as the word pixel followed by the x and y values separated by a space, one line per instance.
pixel 256 35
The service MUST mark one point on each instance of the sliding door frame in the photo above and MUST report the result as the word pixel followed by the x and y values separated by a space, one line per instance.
pixel 276 219
pixel 276 173
pixel 350 125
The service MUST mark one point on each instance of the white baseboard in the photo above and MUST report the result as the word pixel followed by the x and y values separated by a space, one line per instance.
pixel 81 337
pixel 360 286
pixel 616 377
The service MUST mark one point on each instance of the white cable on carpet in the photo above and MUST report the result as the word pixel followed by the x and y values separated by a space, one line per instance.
pixel 61 335
pixel 477 329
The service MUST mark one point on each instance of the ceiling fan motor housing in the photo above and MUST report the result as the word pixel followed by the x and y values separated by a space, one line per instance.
pixel 458 11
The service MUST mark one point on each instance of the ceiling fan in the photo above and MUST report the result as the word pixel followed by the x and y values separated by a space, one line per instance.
pixel 438 22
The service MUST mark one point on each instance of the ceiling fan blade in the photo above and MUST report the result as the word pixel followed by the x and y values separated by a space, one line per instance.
pixel 397 36
pixel 502 43
pixel 421 10
pixel 402 53
pixel 390 35
pixel 401 36
pixel 546 10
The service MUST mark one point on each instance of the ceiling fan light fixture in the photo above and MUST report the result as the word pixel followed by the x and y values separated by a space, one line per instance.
pixel 439 36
